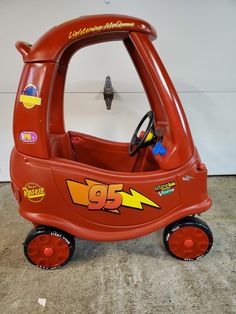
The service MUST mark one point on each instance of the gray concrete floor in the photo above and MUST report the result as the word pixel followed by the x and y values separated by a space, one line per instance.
pixel 135 276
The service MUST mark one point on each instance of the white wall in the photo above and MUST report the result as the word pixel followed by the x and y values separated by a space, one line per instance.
pixel 196 41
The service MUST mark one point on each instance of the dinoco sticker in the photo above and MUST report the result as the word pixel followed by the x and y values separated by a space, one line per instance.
pixel 34 192
pixel 99 196
pixel 29 97
pixel 28 137
pixel 98 28
pixel 166 188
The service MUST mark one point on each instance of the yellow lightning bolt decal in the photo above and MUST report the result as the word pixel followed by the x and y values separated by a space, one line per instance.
pixel 135 200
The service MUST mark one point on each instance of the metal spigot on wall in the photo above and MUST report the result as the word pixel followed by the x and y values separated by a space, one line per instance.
pixel 108 92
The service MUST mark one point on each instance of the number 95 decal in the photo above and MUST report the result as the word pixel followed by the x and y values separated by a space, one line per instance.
pixel 100 196
pixel 105 196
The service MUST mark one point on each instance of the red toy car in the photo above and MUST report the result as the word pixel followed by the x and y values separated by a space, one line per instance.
pixel 70 184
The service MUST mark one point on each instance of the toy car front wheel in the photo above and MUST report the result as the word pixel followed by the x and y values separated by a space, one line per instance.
pixel 188 239
pixel 49 248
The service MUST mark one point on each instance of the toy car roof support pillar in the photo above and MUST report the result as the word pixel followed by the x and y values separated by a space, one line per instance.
pixel 44 74
pixel 164 102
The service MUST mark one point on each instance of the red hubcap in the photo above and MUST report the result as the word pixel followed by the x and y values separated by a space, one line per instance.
pixel 188 242
pixel 48 250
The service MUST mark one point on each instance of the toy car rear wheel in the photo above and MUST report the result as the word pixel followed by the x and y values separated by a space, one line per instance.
pixel 49 248
pixel 188 239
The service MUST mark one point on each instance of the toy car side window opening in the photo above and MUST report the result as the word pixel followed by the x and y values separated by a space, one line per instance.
pixel 105 154
pixel 84 105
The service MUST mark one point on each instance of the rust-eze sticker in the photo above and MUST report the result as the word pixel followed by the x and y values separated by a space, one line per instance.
pixel 29 97
pixel 98 28
pixel 99 196
pixel 166 188
pixel 34 192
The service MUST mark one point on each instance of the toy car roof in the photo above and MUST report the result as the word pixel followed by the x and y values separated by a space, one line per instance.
pixel 53 43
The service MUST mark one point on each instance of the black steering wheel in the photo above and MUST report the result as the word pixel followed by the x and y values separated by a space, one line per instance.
pixel 137 142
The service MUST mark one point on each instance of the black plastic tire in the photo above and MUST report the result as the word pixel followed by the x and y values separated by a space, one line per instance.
pixel 188 239
pixel 49 248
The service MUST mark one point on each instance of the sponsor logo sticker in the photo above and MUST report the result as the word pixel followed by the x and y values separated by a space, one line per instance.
pixel 28 137
pixel 34 192
pixel 29 97
pixel 165 192
pixel 166 188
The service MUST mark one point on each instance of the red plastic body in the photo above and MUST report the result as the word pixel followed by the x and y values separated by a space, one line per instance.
pixel 91 187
